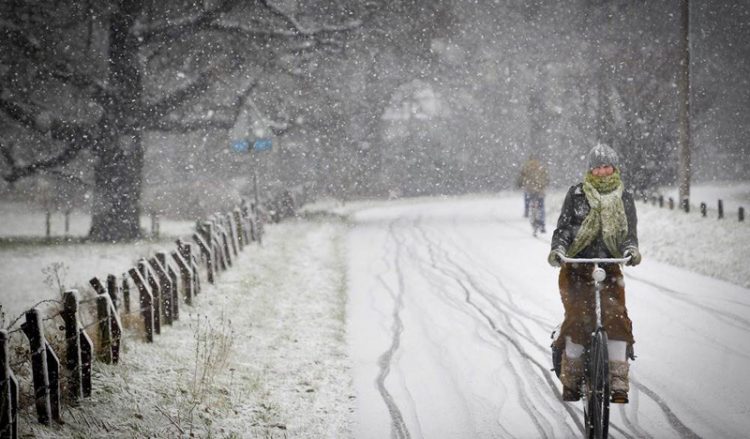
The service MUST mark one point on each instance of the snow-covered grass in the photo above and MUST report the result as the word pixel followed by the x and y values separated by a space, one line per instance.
pixel 732 194
pixel 277 316
pixel 25 220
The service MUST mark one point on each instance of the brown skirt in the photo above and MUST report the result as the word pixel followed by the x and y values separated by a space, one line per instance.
pixel 577 293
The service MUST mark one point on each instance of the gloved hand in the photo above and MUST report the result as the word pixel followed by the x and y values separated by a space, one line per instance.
pixel 635 256
pixel 555 256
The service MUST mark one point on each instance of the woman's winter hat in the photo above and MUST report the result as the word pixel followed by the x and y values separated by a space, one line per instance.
pixel 603 155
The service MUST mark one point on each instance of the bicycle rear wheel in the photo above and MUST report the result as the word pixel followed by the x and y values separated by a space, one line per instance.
pixel 596 412
pixel 534 215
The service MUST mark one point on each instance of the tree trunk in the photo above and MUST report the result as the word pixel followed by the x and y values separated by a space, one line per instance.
pixel 117 191
pixel 119 157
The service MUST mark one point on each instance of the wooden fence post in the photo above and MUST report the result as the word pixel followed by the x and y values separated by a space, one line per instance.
pixel 126 293
pixel 224 239
pixel 72 345
pixel 148 276
pixel 103 314
pixel 146 301
pixel 53 372
pixel 173 282
pixel 190 257
pixel 87 357
pixel 241 238
pixel 206 250
pixel 98 287
pixel 48 224
pixel 721 209
pixel 115 328
pixel 187 276
pixel 741 214
pixel 186 251
pixel 221 257
pixel 661 200
pixel 671 203
pixel 165 286
pixel 234 240
pixel 32 327
pixel 110 338
pixel 8 393
pixel 216 249
pixel 112 290
pixel 67 222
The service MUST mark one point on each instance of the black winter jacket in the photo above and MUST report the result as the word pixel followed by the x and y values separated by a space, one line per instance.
pixel 574 211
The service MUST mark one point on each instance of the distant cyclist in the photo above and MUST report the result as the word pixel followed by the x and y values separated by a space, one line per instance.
pixel 533 180
pixel 597 220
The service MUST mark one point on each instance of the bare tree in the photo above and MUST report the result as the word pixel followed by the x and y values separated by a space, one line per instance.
pixel 96 77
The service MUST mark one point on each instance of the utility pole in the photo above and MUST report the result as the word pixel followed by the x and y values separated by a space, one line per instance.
pixel 683 93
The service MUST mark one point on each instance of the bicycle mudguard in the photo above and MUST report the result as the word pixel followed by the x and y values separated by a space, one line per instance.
pixel 556 353
pixel 557 360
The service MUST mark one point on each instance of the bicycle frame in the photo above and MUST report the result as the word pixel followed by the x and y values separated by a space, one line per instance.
pixel 596 408
pixel 598 275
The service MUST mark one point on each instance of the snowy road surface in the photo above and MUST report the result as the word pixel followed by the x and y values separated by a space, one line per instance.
pixel 450 309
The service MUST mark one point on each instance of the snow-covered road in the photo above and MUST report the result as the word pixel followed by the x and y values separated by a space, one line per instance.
pixel 451 305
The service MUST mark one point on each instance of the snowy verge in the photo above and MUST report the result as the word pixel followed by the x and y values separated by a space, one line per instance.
pixel 261 354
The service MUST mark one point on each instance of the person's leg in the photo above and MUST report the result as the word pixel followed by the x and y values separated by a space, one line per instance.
pixel 525 204
pixel 571 370
pixel 620 331
pixel 574 331
pixel 618 371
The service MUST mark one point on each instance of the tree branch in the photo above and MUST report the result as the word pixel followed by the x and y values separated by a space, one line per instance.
pixel 66 156
pixel 299 29
pixel 75 137
pixel 182 126
pixel 15 36
pixel 169 103
pixel 197 125
pixel 160 33
pixel 7 154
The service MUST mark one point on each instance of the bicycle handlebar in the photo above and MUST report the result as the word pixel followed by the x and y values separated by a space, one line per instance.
pixel 568 260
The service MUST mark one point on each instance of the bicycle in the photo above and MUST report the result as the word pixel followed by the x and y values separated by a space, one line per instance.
pixel 595 384
pixel 536 214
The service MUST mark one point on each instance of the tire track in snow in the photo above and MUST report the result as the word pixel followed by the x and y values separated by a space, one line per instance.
pixel 674 421
pixel 683 430
pixel 454 271
pixel 575 415
pixel 399 430
pixel 543 426
pixel 725 316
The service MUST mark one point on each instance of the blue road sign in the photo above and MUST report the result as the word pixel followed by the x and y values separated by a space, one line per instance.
pixel 262 144
pixel 240 145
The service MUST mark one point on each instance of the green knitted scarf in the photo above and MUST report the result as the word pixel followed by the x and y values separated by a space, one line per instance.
pixel 607 214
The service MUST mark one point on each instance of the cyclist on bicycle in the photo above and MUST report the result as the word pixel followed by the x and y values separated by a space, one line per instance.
pixel 597 220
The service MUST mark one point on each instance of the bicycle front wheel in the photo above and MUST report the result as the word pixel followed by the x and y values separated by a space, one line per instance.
pixel 597 410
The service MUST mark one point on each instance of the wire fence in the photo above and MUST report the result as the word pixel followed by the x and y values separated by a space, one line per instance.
pixel 163 283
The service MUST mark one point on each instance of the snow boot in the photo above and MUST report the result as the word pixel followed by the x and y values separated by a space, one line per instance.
pixel 618 381
pixel 571 374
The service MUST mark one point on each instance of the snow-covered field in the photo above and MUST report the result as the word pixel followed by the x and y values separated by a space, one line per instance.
pixel 414 318
pixel 23 220
pixel 261 354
